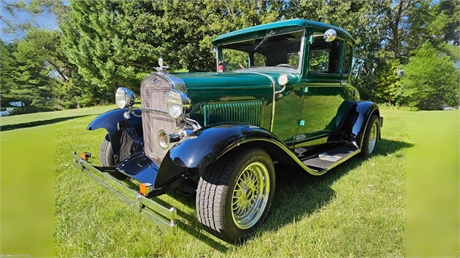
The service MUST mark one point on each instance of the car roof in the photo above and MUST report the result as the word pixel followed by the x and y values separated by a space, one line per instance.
pixel 264 28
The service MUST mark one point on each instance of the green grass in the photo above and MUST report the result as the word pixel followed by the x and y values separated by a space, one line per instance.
pixel 26 191
pixel 433 184
pixel 46 118
pixel 358 209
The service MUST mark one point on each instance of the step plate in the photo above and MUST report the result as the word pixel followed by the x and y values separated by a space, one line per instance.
pixel 326 159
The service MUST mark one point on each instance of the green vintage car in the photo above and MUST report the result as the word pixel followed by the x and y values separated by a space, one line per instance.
pixel 280 94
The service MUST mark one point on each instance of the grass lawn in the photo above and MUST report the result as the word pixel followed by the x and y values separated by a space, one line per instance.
pixel 358 209
pixel 433 167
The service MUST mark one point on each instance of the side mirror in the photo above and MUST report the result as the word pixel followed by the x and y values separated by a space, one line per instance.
pixel 328 36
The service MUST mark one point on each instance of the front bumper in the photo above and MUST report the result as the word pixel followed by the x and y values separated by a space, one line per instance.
pixel 163 217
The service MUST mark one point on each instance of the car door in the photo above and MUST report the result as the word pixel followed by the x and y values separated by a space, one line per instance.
pixel 322 92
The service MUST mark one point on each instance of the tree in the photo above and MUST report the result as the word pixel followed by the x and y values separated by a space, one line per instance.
pixel 119 42
pixel 451 8
pixel 194 24
pixel 7 80
pixel 26 76
pixel 388 85
pixel 430 80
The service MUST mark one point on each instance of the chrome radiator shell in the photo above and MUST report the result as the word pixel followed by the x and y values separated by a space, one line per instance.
pixel 155 118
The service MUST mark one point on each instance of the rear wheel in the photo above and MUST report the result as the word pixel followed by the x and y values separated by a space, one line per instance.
pixel 106 153
pixel 235 193
pixel 371 137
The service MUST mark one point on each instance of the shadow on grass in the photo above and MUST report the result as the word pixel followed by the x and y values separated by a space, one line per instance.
pixel 190 223
pixel 298 194
pixel 37 123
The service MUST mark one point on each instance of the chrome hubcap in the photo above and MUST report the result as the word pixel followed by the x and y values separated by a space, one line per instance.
pixel 250 195
pixel 372 137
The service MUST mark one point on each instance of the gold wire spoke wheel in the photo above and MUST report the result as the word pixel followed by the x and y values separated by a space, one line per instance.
pixel 373 137
pixel 235 193
pixel 250 195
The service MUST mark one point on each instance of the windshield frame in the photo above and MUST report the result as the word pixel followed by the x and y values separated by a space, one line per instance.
pixel 262 38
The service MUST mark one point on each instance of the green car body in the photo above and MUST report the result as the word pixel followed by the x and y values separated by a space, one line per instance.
pixel 280 94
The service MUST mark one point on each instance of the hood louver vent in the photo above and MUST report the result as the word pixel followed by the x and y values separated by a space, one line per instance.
pixel 244 112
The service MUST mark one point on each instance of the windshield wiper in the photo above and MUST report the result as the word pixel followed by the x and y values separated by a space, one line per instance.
pixel 271 33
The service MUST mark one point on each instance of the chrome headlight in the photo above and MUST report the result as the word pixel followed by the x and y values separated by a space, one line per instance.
pixel 176 101
pixel 124 97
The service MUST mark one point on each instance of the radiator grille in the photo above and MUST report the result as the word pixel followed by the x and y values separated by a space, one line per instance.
pixel 153 93
pixel 245 112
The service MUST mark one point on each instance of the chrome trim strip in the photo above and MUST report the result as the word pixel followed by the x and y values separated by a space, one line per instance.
pixel 302 52
pixel 272 119
pixel 284 87
pixel 143 205
pixel 291 154
pixel 196 126
pixel 155 110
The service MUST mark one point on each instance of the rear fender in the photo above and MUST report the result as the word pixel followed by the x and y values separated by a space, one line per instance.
pixel 357 120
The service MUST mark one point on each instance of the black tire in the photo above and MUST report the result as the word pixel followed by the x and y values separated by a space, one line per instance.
pixel 371 137
pixel 106 153
pixel 235 194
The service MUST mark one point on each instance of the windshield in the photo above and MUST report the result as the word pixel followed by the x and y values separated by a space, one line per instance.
pixel 283 50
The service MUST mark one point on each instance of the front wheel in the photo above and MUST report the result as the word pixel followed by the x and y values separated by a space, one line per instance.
pixel 106 153
pixel 235 193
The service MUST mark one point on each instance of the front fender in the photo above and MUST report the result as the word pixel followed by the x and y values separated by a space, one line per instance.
pixel 111 120
pixel 114 121
pixel 204 146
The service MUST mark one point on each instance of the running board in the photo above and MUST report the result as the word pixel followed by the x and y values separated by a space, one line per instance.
pixel 330 159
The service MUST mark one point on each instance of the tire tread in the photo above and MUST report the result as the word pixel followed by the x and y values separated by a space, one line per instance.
pixel 212 190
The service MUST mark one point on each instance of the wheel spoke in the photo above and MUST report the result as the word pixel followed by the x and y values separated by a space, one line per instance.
pixel 250 195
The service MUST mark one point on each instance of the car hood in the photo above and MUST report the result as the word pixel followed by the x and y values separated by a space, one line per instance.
pixel 252 77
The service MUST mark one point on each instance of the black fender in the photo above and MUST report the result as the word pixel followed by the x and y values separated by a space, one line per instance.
pixel 357 119
pixel 204 146
pixel 114 121
pixel 208 144
pixel 343 112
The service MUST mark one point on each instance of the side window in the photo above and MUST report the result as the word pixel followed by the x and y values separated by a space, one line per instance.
pixel 325 56
pixel 259 60
pixel 319 61
pixel 347 61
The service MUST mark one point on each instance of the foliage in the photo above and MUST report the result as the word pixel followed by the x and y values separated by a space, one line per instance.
pixel 26 78
pixel 104 44
pixel 119 42
pixel 430 80
pixel 7 81
pixel 388 81
pixel 451 32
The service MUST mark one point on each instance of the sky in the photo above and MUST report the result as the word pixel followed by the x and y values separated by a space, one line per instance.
pixel 45 20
